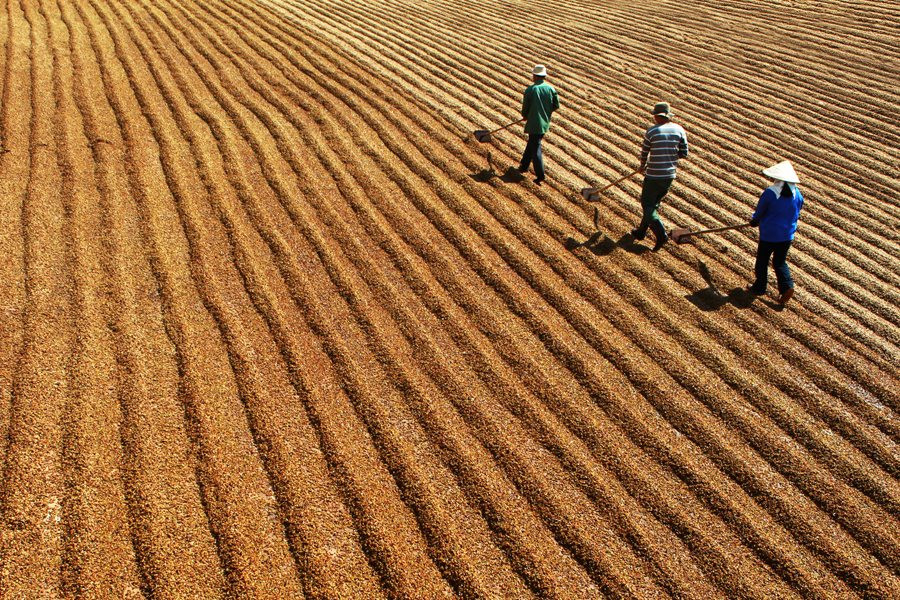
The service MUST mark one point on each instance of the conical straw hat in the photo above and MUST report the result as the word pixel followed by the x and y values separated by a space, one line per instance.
pixel 783 171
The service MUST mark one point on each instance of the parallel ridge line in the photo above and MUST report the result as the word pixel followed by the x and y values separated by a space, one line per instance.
pixel 235 487
pixel 242 189
pixel 861 319
pixel 345 285
pixel 97 559
pixel 33 480
pixel 882 453
pixel 364 269
pixel 6 50
pixel 14 168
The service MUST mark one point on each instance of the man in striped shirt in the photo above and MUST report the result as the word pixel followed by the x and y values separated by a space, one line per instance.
pixel 664 144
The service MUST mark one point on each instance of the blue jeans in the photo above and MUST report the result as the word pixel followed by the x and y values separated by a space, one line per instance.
pixel 533 153
pixel 778 252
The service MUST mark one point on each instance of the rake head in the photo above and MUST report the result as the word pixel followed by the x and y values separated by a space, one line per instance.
pixel 680 236
pixel 482 135
pixel 590 194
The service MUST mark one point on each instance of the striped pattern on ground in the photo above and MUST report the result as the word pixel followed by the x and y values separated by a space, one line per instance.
pixel 270 328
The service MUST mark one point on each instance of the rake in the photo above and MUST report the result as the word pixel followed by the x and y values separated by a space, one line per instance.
pixel 483 135
pixel 679 236
pixel 593 194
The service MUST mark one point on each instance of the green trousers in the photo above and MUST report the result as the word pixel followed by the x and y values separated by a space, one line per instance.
pixel 652 193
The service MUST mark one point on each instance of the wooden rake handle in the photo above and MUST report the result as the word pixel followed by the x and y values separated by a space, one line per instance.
pixel 595 191
pixel 505 127
pixel 717 229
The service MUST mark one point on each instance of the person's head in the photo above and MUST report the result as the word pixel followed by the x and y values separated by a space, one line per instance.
pixel 539 73
pixel 785 178
pixel 662 113
pixel 783 171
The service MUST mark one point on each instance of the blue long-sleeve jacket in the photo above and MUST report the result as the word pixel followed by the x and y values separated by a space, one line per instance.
pixel 777 215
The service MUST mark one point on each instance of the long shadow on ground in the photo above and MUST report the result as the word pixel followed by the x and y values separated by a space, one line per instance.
pixel 511 175
pixel 711 298
pixel 603 245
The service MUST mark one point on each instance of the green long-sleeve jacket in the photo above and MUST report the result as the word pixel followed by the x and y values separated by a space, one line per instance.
pixel 539 102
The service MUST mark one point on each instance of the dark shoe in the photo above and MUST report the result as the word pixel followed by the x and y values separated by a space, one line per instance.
pixel 636 234
pixel 786 295
pixel 659 232
pixel 521 170
pixel 539 180
pixel 754 292
pixel 661 239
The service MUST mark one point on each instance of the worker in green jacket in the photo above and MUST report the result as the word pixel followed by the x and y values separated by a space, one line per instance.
pixel 538 104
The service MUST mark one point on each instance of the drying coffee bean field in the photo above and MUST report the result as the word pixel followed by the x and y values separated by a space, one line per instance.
pixel 273 324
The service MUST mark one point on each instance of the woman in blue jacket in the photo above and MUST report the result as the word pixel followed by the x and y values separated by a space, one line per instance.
pixel 776 215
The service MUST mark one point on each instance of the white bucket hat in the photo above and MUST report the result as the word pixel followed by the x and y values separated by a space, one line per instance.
pixel 539 71
pixel 783 171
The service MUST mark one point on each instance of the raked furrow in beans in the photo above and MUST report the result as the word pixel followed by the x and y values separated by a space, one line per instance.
pixel 32 544
pixel 99 556
pixel 323 252
pixel 15 113
pixel 269 328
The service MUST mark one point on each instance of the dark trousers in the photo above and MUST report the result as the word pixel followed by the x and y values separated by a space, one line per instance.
pixel 533 153
pixel 652 193
pixel 777 251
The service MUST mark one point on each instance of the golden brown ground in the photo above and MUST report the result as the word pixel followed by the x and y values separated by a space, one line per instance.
pixel 270 328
